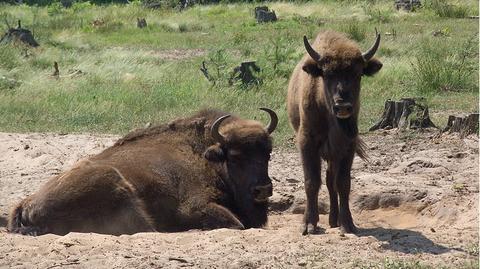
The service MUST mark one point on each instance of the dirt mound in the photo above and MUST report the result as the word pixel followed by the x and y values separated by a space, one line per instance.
pixel 392 198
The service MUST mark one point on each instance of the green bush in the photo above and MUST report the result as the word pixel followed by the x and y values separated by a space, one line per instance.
pixel 355 30
pixel 377 14
pixel 440 68
pixel 9 58
pixel 445 10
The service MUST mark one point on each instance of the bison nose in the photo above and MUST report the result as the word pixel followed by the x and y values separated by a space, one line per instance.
pixel 261 193
pixel 343 110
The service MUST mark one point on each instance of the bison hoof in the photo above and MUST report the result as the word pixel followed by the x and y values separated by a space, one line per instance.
pixel 33 231
pixel 348 229
pixel 310 229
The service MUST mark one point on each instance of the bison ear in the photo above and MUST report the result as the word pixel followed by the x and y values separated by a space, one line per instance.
pixel 372 67
pixel 312 69
pixel 214 154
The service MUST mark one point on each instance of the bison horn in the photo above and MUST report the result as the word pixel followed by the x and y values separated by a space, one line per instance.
pixel 214 130
pixel 272 125
pixel 310 50
pixel 370 52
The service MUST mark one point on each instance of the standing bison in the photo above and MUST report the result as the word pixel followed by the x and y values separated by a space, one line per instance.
pixel 323 105
pixel 203 172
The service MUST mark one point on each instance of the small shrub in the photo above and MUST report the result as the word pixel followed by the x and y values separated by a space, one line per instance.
pixel 376 14
pixel 55 8
pixel 217 67
pixel 473 250
pixel 355 30
pixel 440 68
pixel 279 56
pixel 8 83
pixel 9 58
pixel 309 20
pixel 81 6
pixel 445 10
pixel 182 27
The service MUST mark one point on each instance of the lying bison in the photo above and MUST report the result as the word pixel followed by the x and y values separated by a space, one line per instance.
pixel 203 172
pixel 323 105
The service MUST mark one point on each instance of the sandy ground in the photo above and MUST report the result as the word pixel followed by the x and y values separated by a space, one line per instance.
pixel 416 200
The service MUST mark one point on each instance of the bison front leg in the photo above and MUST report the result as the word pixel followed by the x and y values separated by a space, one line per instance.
pixel 311 171
pixel 332 192
pixel 217 216
pixel 343 184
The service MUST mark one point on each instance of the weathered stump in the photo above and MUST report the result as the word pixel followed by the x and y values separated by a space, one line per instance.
pixel 408 5
pixel 153 4
pixel 244 73
pixel 263 14
pixel 466 125
pixel 67 3
pixel 397 115
pixel 56 71
pixel 19 34
pixel 141 23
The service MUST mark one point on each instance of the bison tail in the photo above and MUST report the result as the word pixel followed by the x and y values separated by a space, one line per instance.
pixel 15 219
pixel 360 149
pixel 17 223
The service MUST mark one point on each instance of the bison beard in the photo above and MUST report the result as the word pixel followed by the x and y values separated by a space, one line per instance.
pixel 204 172
pixel 349 127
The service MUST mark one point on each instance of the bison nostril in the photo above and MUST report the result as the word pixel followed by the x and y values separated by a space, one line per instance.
pixel 342 107
pixel 262 192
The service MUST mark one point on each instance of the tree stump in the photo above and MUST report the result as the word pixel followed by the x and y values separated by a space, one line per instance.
pixel 67 3
pixel 19 34
pixel 408 5
pixel 466 125
pixel 153 4
pixel 141 23
pixel 244 73
pixel 398 115
pixel 263 14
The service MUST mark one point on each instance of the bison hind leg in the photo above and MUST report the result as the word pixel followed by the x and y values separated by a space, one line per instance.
pixel 217 216
pixel 18 223
pixel 29 230
pixel 131 219
pixel 132 216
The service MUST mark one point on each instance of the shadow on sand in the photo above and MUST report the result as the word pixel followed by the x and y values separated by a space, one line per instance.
pixel 405 241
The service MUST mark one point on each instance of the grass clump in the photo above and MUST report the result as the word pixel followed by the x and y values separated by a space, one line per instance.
pixel 132 76
pixel 446 10
pixel 440 68
pixel 9 57
pixel 355 30
pixel 378 14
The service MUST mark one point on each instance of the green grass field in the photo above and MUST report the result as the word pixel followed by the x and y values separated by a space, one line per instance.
pixel 129 81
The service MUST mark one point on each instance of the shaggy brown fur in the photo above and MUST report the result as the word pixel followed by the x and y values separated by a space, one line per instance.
pixel 323 105
pixel 172 177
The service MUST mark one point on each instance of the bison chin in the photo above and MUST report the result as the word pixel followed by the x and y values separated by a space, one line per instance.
pixel 348 126
pixel 252 211
pixel 256 215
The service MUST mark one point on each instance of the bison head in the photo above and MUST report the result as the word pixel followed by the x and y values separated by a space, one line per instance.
pixel 341 65
pixel 243 149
